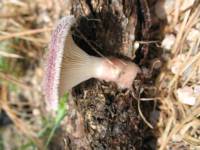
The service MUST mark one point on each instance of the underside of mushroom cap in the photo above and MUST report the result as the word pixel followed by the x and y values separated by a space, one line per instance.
pixel 54 61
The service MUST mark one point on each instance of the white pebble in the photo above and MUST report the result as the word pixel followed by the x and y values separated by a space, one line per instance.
pixel 136 45
pixel 36 112
pixel 168 41
pixel 193 35
pixel 177 62
pixel 197 89
pixel 186 95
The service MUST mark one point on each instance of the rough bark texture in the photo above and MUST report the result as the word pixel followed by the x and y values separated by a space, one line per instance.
pixel 111 117
pixel 113 26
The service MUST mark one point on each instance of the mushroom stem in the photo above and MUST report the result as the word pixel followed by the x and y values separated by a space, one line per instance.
pixel 78 66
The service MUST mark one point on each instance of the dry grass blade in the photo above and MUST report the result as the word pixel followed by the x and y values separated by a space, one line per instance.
pixel 143 117
pixel 20 124
pixel 169 131
pixel 9 55
pixel 190 19
pixel 25 29
pixel 181 32
pixel 11 79
pixel 178 119
pixel 177 11
pixel 24 33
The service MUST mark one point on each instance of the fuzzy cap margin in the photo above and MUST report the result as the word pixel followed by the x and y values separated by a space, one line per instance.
pixel 54 61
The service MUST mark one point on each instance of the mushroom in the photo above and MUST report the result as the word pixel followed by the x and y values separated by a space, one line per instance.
pixel 68 65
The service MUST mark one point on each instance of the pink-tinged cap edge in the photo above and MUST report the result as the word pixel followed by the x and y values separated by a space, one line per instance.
pixel 54 61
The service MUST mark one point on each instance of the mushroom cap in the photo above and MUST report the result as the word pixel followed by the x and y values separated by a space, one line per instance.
pixel 54 61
